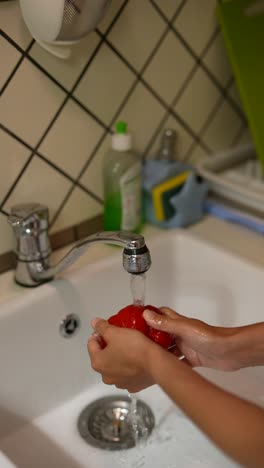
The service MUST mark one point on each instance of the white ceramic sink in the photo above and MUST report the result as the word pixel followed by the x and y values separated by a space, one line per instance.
pixel 46 380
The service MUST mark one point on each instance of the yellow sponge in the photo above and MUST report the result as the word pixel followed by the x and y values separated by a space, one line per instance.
pixel 165 190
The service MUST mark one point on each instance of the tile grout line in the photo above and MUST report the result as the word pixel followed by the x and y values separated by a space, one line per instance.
pixel 211 117
pixel 96 149
pixel 59 110
pixel 206 69
pixel 4 212
pixel 17 66
pixel 107 128
pixel 101 140
pixel 125 100
pixel 50 163
pixel 123 103
pixel 169 23
pixel 65 90
pixel 206 124
pixel 153 92
pixel 239 134
pixel 104 38
pixel 178 95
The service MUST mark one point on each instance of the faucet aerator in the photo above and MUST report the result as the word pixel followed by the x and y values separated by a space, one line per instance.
pixel 136 261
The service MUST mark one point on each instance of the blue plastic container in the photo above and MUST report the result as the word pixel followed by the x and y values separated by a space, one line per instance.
pixel 184 205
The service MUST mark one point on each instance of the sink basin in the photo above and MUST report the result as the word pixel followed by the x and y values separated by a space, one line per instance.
pixel 46 379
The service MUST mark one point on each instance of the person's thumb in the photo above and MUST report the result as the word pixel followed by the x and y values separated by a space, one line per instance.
pixel 100 326
pixel 160 322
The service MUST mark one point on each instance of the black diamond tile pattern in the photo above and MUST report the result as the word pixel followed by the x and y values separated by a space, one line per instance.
pixel 86 80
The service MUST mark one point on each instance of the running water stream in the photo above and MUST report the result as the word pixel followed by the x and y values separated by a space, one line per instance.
pixel 138 288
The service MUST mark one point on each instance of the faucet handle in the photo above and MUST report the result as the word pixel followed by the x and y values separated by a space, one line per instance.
pixel 29 213
pixel 30 222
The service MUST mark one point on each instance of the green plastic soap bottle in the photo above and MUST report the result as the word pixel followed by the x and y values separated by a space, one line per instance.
pixel 122 177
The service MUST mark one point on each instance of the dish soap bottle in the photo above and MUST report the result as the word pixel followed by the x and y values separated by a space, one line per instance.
pixel 122 178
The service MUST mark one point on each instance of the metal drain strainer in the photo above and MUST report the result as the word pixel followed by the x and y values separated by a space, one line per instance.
pixel 106 423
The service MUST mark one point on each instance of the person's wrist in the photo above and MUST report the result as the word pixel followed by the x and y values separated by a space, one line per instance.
pixel 155 358
pixel 247 345
pixel 150 355
pixel 242 347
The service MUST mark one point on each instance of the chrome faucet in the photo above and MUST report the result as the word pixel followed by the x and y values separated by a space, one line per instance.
pixel 31 222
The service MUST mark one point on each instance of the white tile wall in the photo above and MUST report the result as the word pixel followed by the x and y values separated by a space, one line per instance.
pixel 155 63
pixel 105 84
pixel 13 158
pixel 217 62
pixel 196 23
pixel 69 149
pixel 169 68
pixel 41 183
pixel 198 100
pixel 66 72
pixel 140 35
pixel 29 103
pixel 12 57
pixel 7 240
pixel 79 207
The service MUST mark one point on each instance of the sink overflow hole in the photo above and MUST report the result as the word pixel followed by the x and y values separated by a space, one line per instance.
pixel 70 325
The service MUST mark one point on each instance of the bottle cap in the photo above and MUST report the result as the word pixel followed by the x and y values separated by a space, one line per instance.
pixel 121 140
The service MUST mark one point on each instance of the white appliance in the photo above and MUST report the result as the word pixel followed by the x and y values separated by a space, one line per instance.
pixel 56 24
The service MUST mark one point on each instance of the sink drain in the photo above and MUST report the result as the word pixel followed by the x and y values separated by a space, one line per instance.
pixel 106 423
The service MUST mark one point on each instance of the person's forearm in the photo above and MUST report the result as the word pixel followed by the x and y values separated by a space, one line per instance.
pixel 234 425
pixel 246 344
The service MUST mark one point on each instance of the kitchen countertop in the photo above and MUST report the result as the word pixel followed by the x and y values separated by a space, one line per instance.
pixel 234 238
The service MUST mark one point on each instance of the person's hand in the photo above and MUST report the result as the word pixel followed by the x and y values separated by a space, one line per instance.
pixel 124 362
pixel 201 344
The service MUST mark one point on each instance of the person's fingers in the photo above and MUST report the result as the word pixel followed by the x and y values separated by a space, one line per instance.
pixel 108 380
pixel 93 345
pixel 100 326
pixel 170 313
pixel 160 322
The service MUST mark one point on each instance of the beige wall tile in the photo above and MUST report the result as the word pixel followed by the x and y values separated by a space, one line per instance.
pixel 72 139
pixel 217 60
pixel 110 14
pixel 11 55
pixel 41 184
pixel 66 71
pixel 169 68
pixel 245 137
pixel 135 37
pixel 198 100
pixel 168 7
pixel 141 119
pixel 197 155
pixel 105 84
pixel 7 240
pixel 234 94
pixel 223 128
pixel 197 22
pixel 13 157
pixel 79 207
pixel 31 100
pixel 29 103
pixel 93 177
pixel 12 23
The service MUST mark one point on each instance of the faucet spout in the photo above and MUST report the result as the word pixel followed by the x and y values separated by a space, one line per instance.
pixel 30 224
pixel 136 256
